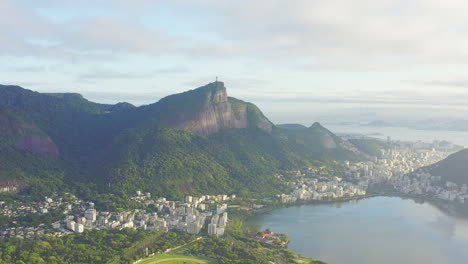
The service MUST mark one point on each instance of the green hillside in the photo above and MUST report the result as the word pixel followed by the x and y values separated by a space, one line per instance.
pixel 291 126
pixel 315 143
pixel 198 141
pixel 369 146
pixel 27 155
pixel 454 168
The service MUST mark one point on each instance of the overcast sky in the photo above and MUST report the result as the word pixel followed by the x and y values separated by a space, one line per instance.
pixel 300 61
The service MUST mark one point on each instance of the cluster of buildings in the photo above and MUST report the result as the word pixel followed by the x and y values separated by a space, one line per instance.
pixel 17 208
pixel 393 163
pixel 313 189
pixel 268 237
pixel 424 184
pixel 217 225
pixel 23 231
pixel 399 167
pixel 189 215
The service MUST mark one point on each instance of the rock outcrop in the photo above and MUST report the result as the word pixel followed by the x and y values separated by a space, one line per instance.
pixel 38 144
pixel 208 109
pixel 24 134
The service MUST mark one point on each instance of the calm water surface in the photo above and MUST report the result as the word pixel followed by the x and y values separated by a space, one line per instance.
pixel 380 230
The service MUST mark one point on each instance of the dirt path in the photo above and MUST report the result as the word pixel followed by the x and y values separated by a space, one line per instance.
pixel 183 259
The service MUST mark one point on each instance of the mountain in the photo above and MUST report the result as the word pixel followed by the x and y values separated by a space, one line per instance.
pixel 207 110
pixel 370 146
pixel 197 141
pixel 379 123
pixel 291 126
pixel 28 156
pixel 317 142
pixel 454 168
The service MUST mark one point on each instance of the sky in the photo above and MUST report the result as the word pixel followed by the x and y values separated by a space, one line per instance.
pixel 298 60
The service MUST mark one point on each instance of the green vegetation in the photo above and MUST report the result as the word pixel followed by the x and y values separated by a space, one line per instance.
pixel 454 168
pixel 127 245
pixel 107 152
pixel 237 248
pixel 170 259
pixel 369 146
pixel 291 126
pixel 98 246
pixel 315 143
pixel 64 143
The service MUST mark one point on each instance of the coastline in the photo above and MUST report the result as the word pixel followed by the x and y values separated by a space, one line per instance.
pixel 244 214
pixel 451 208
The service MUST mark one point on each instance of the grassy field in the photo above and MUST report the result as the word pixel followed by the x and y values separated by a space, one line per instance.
pixel 304 260
pixel 176 259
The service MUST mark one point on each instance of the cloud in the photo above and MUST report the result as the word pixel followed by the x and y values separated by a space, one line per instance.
pixel 111 74
pixel 28 69
pixel 342 33
pixel 441 83
pixel 315 51
pixel 110 34
pixel 172 70
pixel 334 33
pixel 97 74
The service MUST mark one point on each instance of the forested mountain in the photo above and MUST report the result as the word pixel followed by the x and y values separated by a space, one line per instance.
pixel 291 126
pixel 197 141
pixel 454 168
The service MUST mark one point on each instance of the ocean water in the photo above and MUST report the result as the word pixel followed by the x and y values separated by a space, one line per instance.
pixel 403 133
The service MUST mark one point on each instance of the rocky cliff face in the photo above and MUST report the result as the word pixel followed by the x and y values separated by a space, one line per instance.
pixel 38 144
pixel 25 135
pixel 208 109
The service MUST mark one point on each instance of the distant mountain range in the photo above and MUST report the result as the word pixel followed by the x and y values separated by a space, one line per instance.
pixel 197 141
pixel 427 124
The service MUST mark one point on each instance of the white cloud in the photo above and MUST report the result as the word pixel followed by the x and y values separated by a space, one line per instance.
pixel 306 48
pixel 97 74
pixel 113 34
pixel 332 33
pixel 371 33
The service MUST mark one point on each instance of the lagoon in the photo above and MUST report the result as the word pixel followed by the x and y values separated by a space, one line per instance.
pixel 384 230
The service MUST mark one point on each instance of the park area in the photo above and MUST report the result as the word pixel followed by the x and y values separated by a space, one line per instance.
pixel 176 259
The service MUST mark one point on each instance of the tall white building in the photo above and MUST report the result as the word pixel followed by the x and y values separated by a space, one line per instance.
pixel 215 219
pixel 220 231
pixel 90 214
pixel 223 220
pixel 193 228
pixel 221 208
pixel 79 228
pixel 212 229
pixel 71 225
